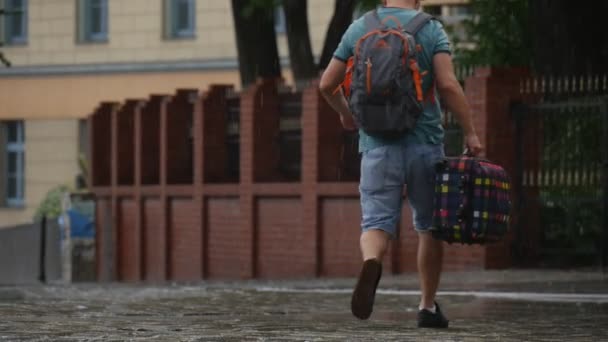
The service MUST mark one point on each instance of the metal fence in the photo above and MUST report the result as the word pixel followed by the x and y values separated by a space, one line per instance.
pixel 454 139
pixel 562 170
pixel 233 110
pixel 290 136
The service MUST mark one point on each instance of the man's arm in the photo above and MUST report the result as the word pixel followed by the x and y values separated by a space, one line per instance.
pixel 452 94
pixel 330 81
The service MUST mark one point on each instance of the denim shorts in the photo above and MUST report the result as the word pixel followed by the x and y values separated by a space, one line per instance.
pixel 384 172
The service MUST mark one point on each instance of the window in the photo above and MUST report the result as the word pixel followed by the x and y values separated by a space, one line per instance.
pixel 434 10
pixel 15 23
pixel 180 18
pixel 93 21
pixel 279 20
pixel 459 10
pixel 14 163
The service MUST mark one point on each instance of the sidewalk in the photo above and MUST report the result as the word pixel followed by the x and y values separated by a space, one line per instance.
pixel 313 310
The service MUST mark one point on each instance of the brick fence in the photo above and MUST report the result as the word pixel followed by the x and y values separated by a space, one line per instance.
pixel 174 202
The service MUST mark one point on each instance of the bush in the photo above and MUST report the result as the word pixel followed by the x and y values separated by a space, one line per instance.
pixel 51 205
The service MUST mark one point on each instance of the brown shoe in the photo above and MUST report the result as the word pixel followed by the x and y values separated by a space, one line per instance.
pixel 362 302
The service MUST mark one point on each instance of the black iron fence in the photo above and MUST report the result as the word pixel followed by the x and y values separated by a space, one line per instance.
pixel 290 136
pixel 233 110
pixel 562 176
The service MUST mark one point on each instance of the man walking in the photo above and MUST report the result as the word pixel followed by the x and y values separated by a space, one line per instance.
pixel 388 164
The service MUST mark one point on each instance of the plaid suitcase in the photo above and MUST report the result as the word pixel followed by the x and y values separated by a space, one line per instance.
pixel 472 203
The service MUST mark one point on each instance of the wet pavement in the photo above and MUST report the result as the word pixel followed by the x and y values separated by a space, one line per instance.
pixel 482 306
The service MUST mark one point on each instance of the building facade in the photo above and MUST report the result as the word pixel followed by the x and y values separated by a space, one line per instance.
pixel 67 56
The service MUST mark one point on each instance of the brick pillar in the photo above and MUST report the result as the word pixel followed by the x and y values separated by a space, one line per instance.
pixel 154 246
pixel 100 174
pixel 139 202
pixel 491 92
pixel 165 227
pixel 123 174
pixel 259 125
pixel 115 209
pixel 210 154
pixel 311 104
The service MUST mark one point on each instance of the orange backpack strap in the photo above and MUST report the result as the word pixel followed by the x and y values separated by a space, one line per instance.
pixel 348 78
pixel 417 79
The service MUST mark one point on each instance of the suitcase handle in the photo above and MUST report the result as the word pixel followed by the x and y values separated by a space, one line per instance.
pixel 467 152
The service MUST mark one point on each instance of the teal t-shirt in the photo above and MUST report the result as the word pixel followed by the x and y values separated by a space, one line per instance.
pixel 433 39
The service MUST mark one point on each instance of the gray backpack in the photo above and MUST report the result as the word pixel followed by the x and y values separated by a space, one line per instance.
pixel 386 87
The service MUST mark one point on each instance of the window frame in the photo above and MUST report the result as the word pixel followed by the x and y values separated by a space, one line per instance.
pixel 17 147
pixel 280 24
pixel 85 22
pixel 172 23
pixel 9 38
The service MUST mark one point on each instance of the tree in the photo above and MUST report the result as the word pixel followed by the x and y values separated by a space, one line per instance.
pixel 550 36
pixel 569 38
pixel 256 41
pixel 341 19
pixel 500 32
pixel 298 39
pixel 301 56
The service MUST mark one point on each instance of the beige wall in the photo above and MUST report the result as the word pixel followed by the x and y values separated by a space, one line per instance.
pixel 136 33
pixel 51 159
pixel 77 96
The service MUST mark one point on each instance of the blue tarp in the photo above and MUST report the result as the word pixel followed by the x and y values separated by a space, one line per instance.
pixel 81 225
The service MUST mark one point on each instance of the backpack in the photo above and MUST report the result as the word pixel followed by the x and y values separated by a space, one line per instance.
pixel 385 91
pixel 472 201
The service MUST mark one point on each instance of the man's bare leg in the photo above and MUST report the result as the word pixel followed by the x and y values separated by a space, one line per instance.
pixel 430 258
pixel 374 244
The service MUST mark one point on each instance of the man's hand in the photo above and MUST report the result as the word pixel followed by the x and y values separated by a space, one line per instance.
pixel 473 144
pixel 348 122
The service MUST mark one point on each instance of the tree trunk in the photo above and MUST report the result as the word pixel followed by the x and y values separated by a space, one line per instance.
pixel 298 39
pixel 256 42
pixel 343 17
pixel 569 39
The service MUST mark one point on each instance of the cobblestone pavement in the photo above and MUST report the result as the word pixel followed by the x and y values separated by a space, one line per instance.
pixel 546 310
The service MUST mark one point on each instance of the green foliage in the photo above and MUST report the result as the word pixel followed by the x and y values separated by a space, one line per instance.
pixel 51 205
pixel 367 5
pixel 501 33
